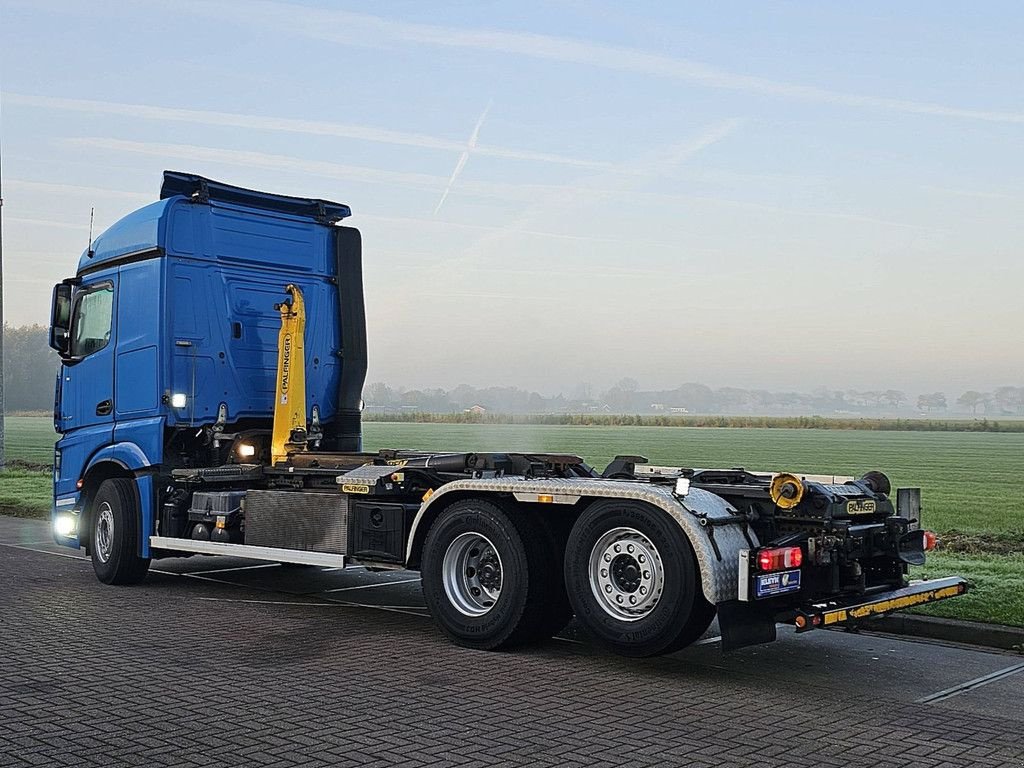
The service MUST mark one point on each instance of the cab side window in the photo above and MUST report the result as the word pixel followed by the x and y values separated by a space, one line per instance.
pixel 91 319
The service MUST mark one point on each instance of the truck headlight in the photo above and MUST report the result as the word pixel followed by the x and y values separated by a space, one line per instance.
pixel 65 525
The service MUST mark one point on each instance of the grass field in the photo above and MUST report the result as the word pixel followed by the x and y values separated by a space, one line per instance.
pixel 972 482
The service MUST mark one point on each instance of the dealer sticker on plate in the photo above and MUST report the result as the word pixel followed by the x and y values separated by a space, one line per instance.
pixel 771 584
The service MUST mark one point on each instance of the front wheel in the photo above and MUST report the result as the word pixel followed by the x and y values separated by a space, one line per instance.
pixel 488 580
pixel 633 580
pixel 114 544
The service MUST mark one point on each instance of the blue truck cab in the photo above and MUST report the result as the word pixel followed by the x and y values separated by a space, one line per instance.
pixel 168 339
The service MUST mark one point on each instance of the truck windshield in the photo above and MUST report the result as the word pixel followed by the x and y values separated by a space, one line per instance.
pixel 91 320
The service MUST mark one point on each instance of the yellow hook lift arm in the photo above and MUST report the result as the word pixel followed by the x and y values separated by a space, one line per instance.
pixel 290 400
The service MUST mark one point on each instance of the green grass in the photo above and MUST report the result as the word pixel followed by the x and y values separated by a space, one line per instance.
pixel 30 438
pixel 997 587
pixel 971 481
pixel 25 485
pixel 24 492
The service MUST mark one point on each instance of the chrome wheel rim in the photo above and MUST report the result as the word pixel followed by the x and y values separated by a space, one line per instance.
pixel 471 573
pixel 104 538
pixel 627 575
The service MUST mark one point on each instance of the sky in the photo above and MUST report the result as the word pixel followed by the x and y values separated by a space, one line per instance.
pixel 779 196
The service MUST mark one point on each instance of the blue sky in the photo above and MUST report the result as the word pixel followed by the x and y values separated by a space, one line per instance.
pixel 776 195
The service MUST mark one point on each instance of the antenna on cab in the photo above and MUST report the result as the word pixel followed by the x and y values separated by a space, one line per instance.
pixel 89 251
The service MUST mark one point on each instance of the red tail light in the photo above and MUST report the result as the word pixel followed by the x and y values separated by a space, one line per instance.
pixel 930 540
pixel 780 558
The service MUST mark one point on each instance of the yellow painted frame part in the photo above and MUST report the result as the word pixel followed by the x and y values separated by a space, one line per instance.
pixel 886 606
pixel 290 395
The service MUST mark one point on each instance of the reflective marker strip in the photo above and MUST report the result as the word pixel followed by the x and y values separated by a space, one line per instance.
pixel 834 617
pixel 886 606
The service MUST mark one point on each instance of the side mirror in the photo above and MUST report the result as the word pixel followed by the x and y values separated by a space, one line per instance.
pixel 60 319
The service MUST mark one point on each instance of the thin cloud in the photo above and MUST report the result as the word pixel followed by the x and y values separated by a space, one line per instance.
pixel 243 158
pixel 983 194
pixel 632 174
pixel 25 185
pixel 470 146
pixel 284 125
pixel 543 199
pixel 48 223
pixel 544 205
pixel 367 30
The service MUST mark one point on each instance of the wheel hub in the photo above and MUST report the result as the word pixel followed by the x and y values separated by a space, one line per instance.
pixel 626 574
pixel 471 574
pixel 103 540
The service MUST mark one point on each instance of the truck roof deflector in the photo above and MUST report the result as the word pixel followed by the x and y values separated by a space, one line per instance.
pixel 204 190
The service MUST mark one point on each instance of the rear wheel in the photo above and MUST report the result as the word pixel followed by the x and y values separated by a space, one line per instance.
pixel 633 581
pixel 488 577
pixel 114 543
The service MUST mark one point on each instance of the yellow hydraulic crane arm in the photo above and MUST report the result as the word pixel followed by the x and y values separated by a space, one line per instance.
pixel 290 400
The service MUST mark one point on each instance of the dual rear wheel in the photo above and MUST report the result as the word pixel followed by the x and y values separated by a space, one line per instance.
pixel 498 578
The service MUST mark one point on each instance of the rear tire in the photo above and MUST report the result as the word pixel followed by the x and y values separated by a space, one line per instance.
pixel 490 579
pixel 633 580
pixel 114 543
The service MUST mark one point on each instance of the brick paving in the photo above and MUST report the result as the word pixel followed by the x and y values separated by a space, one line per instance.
pixel 177 673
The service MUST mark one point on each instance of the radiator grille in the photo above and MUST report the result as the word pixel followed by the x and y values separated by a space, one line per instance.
pixel 313 522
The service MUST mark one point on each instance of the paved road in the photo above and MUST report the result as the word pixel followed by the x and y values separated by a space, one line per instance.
pixel 218 662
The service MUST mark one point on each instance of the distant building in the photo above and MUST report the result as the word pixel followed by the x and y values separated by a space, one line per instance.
pixel 476 409
pixel 679 410
pixel 657 406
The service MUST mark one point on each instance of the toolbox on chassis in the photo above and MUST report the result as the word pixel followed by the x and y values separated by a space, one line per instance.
pixel 199 412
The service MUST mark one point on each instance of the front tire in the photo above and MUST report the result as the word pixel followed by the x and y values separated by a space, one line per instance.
pixel 114 543
pixel 633 580
pixel 488 579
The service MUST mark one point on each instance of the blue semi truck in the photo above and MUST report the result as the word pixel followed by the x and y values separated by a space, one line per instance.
pixel 213 349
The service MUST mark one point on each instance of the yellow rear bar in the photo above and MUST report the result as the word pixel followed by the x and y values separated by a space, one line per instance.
pixel 859 609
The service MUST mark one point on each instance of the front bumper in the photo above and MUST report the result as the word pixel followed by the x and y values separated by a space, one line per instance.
pixel 67 508
pixel 854 610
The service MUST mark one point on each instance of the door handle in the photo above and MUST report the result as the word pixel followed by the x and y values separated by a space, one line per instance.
pixel 104 408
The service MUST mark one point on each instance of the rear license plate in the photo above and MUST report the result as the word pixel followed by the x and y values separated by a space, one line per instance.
pixel 771 584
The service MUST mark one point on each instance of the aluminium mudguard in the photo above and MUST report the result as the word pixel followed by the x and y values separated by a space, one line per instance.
pixel 719 571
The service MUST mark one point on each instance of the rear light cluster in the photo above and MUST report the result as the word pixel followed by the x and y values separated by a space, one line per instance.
pixel 930 540
pixel 779 558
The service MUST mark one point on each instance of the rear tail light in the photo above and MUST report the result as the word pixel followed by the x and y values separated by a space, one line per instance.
pixel 779 558
pixel 930 540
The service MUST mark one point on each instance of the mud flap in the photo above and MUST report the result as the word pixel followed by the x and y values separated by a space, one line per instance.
pixel 744 624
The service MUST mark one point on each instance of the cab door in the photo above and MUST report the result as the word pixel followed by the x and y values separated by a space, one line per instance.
pixel 87 388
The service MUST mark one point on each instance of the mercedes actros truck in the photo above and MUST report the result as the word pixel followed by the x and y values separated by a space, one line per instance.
pixel 213 354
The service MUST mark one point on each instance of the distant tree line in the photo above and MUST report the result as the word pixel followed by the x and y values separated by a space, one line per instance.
pixel 626 397
pixel 30 367
pixel 755 422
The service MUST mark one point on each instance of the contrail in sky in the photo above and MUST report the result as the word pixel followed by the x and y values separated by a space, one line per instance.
pixel 470 146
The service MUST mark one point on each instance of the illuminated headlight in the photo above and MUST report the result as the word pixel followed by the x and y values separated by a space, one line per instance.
pixel 246 450
pixel 682 486
pixel 65 525
pixel 179 400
